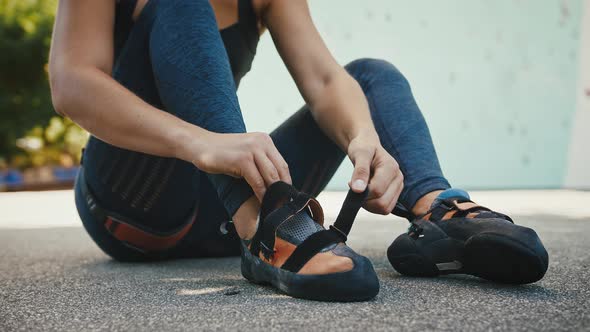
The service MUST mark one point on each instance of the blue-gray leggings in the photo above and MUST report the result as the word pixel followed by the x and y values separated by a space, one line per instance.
pixel 174 59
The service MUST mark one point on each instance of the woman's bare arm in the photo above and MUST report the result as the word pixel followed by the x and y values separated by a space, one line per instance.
pixel 336 100
pixel 80 66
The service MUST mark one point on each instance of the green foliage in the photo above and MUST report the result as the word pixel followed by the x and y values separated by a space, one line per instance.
pixel 25 36
pixel 59 143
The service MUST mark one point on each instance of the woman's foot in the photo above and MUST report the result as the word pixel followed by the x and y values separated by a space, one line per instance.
pixel 458 236
pixel 293 252
pixel 289 236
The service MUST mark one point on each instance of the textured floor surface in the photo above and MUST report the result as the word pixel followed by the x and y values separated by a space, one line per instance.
pixel 56 279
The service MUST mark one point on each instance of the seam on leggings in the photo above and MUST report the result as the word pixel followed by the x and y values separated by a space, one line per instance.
pixel 125 193
pixel 136 177
pixel 148 181
pixel 130 160
pixel 109 174
pixel 158 190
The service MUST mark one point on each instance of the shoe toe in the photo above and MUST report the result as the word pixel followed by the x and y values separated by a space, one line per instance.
pixel 358 284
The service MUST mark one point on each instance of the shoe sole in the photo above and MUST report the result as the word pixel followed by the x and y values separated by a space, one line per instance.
pixel 490 256
pixel 358 284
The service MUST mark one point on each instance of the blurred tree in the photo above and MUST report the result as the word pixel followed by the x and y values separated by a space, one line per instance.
pixel 59 143
pixel 25 36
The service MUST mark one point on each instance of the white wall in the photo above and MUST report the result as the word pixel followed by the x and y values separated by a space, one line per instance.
pixel 496 81
pixel 578 172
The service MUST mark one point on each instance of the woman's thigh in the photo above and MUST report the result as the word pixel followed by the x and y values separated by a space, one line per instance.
pixel 156 192
pixel 205 238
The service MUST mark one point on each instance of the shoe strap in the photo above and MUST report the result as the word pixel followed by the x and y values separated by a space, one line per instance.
pixel 278 217
pixel 337 233
pixel 350 208
pixel 276 194
pixel 309 248
pixel 293 202
pixel 438 211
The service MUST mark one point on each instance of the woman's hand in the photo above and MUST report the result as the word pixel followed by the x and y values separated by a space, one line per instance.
pixel 375 166
pixel 252 156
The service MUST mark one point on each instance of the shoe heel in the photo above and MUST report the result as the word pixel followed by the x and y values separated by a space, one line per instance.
pixel 247 265
pixel 411 262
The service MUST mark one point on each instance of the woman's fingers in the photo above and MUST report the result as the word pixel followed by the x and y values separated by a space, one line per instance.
pixel 386 202
pixel 254 179
pixel 267 168
pixel 280 164
pixel 385 185
pixel 399 186
pixel 265 165
pixel 361 159
pixel 381 179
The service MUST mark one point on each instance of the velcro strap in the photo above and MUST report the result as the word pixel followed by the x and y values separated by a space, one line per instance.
pixel 275 195
pixel 309 248
pixel 272 218
pixel 438 212
pixel 276 218
pixel 464 212
pixel 480 209
pixel 350 208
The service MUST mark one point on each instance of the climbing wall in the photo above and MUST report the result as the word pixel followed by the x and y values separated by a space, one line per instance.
pixel 496 80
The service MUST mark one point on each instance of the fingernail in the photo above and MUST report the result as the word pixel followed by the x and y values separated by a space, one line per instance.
pixel 359 185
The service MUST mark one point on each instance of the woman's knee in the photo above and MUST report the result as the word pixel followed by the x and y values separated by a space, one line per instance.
pixel 178 21
pixel 367 70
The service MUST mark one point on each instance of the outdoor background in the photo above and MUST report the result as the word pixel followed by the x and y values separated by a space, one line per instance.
pixel 503 85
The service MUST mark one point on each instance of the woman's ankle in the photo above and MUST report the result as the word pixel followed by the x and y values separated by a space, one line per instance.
pixel 425 202
pixel 246 218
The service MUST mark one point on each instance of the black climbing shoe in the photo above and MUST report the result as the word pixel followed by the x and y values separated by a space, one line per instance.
pixel 457 236
pixel 286 249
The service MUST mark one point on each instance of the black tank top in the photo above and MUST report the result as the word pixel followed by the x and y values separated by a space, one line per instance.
pixel 240 39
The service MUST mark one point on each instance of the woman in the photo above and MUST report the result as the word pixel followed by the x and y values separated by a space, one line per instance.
pixel 170 161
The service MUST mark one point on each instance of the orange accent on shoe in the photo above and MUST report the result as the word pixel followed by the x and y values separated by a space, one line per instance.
pixel 449 215
pixel 461 207
pixel 322 263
